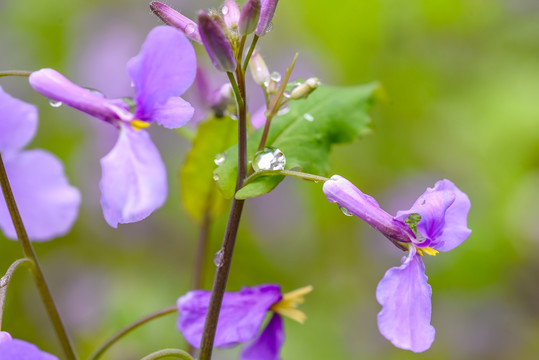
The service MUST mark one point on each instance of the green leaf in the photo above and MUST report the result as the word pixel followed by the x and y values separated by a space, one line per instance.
pixel 330 115
pixel 197 186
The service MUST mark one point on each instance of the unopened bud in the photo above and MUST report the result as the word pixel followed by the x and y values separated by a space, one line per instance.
pixel 267 9
pixel 216 44
pixel 259 70
pixel 231 13
pixel 175 19
pixel 250 14
pixel 305 89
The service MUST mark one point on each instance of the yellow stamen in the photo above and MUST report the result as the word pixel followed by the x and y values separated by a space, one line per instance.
pixel 139 124
pixel 290 301
pixel 427 250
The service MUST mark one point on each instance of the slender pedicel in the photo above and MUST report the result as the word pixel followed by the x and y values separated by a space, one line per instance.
pixel 39 277
pixel 4 282
pixel 15 73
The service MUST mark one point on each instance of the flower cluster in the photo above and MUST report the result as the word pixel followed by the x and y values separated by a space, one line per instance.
pixel 436 222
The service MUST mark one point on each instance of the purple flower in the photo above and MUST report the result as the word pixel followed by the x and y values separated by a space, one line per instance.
pixel 217 100
pixel 134 180
pixel 436 222
pixel 47 203
pixel 216 44
pixel 11 349
pixel 242 314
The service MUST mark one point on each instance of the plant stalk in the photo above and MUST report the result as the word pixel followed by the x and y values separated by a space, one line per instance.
pixel 15 73
pixel 37 272
pixel 4 282
pixel 177 353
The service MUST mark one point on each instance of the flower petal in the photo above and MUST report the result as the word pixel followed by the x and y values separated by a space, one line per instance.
pixel 444 211
pixel 47 203
pixel 175 113
pixel 241 316
pixel 406 306
pixel 53 85
pixel 165 67
pixel 268 345
pixel 134 178
pixel 18 122
pixel 22 350
pixel 345 194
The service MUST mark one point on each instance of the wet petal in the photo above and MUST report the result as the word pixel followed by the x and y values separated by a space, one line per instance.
pixel 405 297
pixel 134 178
pixel 18 122
pixel 47 203
pixel 444 211
pixel 268 345
pixel 175 113
pixel 241 316
pixel 53 85
pixel 165 67
pixel 22 350
pixel 346 195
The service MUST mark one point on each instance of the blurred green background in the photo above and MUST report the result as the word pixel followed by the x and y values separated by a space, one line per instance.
pixel 462 85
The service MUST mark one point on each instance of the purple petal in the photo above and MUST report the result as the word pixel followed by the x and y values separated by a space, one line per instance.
pixel 231 13
pixel 165 67
pixel 175 113
pixel 134 178
pixel 18 122
pixel 444 211
pixel 47 203
pixel 406 308
pixel 216 44
pixel 5 337
pixel 346 195
pixel 22 350
pixel 173 18
pixel 53 85
pixel 268 345
pixel 267 11
pixel 241 316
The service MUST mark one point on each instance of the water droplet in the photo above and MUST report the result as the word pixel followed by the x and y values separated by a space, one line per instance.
pixel 224 10
pixel 308 117
pixel 55 103
pixel 286 94
pixel 218 258
pixel 3 281
pixel 215 176
pixel 275 76
pixel 95 91
pixel 266 82
pixel 283 110
pixel 345 211
pixel 269 158
pixel 219 159
pixel 189 29
pixel 268 28
pixel 233 116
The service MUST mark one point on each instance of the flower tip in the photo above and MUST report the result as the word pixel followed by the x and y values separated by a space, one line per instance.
pixel 173 18
pixel 215 42
pixel 250 13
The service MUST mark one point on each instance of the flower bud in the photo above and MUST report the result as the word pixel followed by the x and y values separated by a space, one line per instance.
pixel 267 9
pixel 216 44
pixel 250 14
pixel 231 13
pixel 259 70
pixel 305 89
pixel 175 19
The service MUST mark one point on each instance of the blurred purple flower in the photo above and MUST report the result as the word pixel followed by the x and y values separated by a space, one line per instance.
pixel 211 99
pixel 11 349
pixel 242 314
pixel 134 180
pixel 436 222
pixel 47 203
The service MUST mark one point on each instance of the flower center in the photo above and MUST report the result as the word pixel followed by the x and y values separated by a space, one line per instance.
pixel 139 124
pixel 426 250
pixel 289 303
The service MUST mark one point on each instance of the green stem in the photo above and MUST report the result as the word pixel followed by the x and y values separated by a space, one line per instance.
pixel 236 89
pixel 15 73
pixel 177 353
pixel 114 338
pixel 231 232
pixel 292 173
pixel 274 104
pixel 240 50
pixel 37 272
pixel 249 53
pixel 4 282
